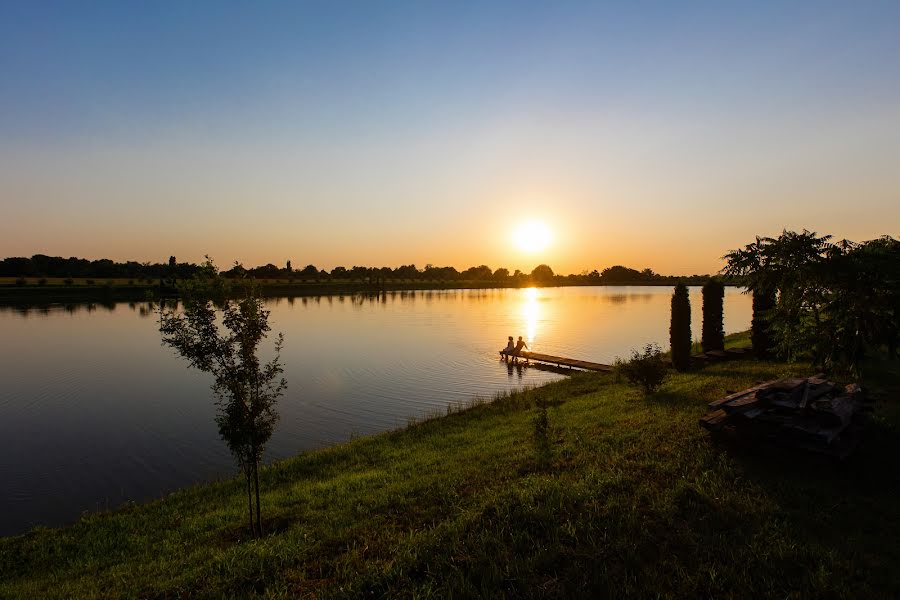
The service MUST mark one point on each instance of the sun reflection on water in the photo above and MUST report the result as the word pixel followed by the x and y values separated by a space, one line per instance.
pixel 531 311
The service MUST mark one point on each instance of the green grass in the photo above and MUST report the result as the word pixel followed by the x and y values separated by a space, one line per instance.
pixel 634 499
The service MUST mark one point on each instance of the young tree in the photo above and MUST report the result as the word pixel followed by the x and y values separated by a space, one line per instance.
pixel 221 336
pixel 680 328
pixel 713 336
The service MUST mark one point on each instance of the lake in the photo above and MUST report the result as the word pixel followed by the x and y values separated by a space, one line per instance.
pixel 94 411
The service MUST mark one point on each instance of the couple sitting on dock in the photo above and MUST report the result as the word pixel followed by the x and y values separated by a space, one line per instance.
pixel 514 350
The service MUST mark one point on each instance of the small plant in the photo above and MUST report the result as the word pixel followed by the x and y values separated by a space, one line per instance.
pixel 20 281
pixel 646 369
pixel 542 448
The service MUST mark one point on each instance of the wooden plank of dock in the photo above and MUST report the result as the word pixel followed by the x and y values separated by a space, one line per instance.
pixel 561 361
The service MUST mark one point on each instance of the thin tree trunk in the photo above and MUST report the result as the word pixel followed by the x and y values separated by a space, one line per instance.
pixel 256 477
pixel 249 500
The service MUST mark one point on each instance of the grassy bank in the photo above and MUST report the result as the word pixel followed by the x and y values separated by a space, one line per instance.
pixel 633 498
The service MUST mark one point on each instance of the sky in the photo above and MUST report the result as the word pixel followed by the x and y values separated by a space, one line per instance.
pixel 649 134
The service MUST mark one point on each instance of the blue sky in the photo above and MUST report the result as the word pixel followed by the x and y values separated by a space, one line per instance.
pixel 646 133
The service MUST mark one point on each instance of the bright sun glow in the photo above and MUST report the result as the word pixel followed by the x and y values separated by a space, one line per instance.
pixel 532 236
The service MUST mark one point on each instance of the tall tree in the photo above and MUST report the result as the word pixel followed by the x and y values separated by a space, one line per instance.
pixel 221 336
pixel 680 328
pixel 542 273
pixel 713 335
pixel 760 336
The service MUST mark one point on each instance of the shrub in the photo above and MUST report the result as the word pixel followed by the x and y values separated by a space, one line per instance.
pixel 20 281
pixel 68 281
pixel 89 281
pixel 680 328
pixel 713 335
pixel 646 369
pixel 131 282
pixel 42 281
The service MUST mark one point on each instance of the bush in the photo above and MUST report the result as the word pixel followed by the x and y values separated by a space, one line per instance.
pixel 680 328
pixel 713 336
pixel 131 282
pixel 646 369
pixel 89 281
pixel 68 281
pixel 42 281
pixel 20 281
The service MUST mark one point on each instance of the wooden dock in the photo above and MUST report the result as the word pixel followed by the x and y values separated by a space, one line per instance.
pixel 560 361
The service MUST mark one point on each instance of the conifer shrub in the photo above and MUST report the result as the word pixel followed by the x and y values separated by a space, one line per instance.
pixel 760 335
pixel 713 335
pixel 646 369
pixel 680 328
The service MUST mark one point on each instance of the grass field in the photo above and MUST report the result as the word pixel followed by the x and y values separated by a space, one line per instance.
pixel 625 496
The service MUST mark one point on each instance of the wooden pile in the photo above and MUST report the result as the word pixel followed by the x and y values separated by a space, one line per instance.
pixel 811 413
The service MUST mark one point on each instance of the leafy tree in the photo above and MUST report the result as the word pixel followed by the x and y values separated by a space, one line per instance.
pixel 479 273
pixel 830 302
pixel 288 267
pixel 680 328
pixel 501 274
pixel 713 335
pixel 542 273
pixel 221 336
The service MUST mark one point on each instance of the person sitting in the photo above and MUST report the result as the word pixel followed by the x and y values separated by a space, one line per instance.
pixel 510 348
pixel 518 349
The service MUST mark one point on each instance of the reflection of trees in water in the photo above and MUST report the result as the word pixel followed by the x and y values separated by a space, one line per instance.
pixel 623 298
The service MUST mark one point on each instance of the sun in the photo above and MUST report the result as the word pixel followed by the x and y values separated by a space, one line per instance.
pixel 532 236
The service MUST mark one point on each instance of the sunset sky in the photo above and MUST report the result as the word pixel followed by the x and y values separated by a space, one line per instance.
pixel 651 134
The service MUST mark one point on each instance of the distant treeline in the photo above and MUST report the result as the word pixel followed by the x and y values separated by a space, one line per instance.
pixel 41 265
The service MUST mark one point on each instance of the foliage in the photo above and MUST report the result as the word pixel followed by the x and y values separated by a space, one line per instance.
pixel 646 369
pixel 680 328
pixel 247 389
pixel 760 336
pixel 835 301
pixel 713 333
pixel 542 273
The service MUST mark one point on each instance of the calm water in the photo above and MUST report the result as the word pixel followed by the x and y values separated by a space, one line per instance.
pixel 94 411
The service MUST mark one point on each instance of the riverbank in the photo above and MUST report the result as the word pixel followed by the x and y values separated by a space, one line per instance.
pixel 56 290
pixel 633 498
